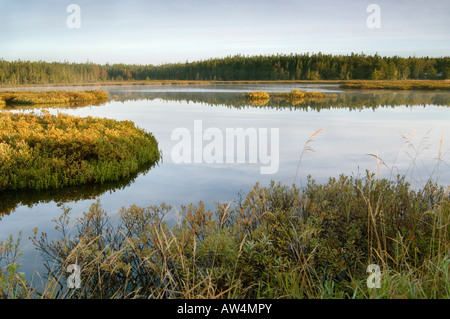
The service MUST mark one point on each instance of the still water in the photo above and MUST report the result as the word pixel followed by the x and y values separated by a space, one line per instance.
pixel 404 129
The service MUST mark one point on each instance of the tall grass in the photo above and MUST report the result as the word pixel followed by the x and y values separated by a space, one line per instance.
pixel 277 242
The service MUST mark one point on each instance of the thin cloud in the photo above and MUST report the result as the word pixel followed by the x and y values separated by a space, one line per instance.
pixel 178 30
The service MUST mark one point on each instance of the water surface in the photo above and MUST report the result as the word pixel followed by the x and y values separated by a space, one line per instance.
pixel 355 124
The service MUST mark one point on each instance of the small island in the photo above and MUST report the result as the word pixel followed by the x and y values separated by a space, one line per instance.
pixel 44 151
pixel 294 97
pixel 52 98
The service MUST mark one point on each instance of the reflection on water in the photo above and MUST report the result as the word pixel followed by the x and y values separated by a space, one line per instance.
pixel 192 98
pixel 232 95
pixel 352 101
pixel 10 200
pixel 46 106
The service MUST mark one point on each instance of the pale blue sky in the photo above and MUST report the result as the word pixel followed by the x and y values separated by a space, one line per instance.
pixel 154 32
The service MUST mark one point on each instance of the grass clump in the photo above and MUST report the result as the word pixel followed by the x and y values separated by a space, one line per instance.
pixel 297 94
pixel 275 242
pixel 258 98
pixel 258 95
pixel 294 97
pixel 41 151
pixel 64 98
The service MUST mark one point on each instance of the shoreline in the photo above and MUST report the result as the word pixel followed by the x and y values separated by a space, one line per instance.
pixel 172 82
pixel 50 98
pixel 344 84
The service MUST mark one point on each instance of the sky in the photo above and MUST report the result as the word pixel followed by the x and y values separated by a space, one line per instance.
pixel 170 31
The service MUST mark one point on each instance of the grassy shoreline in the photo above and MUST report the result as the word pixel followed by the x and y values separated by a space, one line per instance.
pixel 278 241
pixel 353 84
pixel 398 84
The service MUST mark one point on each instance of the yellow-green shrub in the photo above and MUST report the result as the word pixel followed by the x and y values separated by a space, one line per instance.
pixel 296 96
pixel 258 95
pixel 45 151
pixel 64 98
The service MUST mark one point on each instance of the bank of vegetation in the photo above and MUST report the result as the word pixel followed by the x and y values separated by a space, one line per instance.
pixel 52 98
pixel 398 85
pixel 43 151
pixel 279 67
pixel 275 242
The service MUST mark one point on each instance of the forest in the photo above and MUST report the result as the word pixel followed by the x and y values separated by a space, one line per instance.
pixel 306 66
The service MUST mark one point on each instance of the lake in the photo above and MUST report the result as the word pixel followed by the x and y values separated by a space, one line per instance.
pixel 403 128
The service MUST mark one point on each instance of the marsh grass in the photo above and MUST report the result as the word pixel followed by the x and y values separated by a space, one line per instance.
pixel 276 242
pixel 295 97
pixel 42 151
pixel 257 98
pixel 398 84
pixel 52 98
pixel 258 95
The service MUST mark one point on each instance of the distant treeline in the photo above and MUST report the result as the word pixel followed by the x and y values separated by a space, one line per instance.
pixel 234 68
